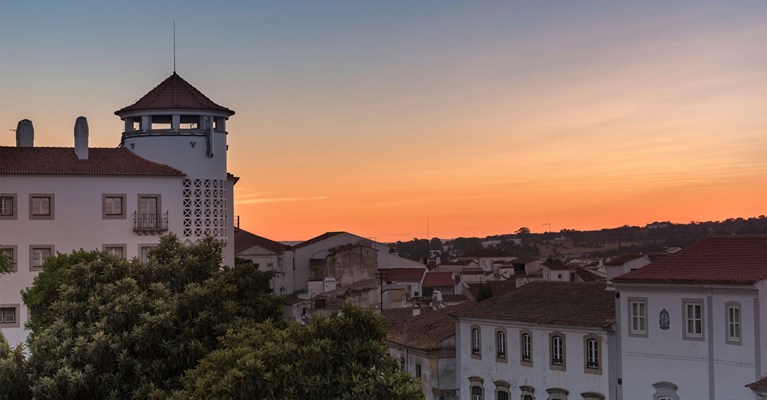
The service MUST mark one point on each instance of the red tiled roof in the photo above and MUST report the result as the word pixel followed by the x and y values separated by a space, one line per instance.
pixel 244 240
pixel 427 331
pixel 551 303
pixel 174 93
pixel 316 239
pixel 63 161
pixel 403 274
pixel 439 279
pixel 622 259
pixel 454 298
pixel 736 260
pixel 759 386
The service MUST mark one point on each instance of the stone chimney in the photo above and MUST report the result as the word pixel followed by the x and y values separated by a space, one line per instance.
pixel 25 134
pixel 81 138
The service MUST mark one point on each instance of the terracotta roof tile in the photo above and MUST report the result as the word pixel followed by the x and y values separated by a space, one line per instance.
pixel 760 385
pixel 622 259
pixel 427 331
pixel 63 161
pixel 174 93
pixel 737 260
pixel 244 240
pixel 498 287
pixel 551 303
pixel 439 279
pixel 403 274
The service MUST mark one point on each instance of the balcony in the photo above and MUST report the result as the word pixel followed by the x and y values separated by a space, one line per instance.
pixel 150 223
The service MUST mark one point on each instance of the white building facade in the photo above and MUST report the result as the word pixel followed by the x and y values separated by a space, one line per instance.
pixel 168 176
pixel 544 340
pixel 693 325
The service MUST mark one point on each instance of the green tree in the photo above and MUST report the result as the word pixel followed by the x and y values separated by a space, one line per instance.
pixel 523 231
pixel 484 291
pixel 14 372
pixel 107 328
pixel 6 264
pixel 337 357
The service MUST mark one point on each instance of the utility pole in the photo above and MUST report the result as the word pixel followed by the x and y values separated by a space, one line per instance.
pixel 549 224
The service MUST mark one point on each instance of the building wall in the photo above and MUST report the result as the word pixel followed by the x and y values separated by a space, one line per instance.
pixel 710 368
pixel 437 367
pixel 78 223
pixel 354 264
pixel 267 261
pixel 540 375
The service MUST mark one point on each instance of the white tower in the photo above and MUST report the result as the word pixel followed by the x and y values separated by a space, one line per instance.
pixel 175 124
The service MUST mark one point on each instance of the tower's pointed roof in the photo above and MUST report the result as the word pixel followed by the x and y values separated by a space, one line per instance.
pixel 174 93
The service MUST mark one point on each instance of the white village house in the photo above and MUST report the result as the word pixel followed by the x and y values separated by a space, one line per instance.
pixel 168 175
pixel 693 325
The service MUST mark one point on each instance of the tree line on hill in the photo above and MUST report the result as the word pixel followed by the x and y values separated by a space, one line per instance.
pixel 181 327
pixel 625 239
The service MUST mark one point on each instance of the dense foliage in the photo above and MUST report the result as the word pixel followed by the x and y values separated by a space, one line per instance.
pixel 337 357
pixel 107 328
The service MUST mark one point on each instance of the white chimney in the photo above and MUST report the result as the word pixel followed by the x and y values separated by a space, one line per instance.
pixel 25 134
pixel 81 138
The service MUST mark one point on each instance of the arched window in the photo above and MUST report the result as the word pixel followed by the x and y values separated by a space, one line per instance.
pixel 500 343
pixel 476 393
pixel 557 350
pixel 475 343
pixel 528 392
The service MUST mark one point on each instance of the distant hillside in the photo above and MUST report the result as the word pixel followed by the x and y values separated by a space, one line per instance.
pixel 568 243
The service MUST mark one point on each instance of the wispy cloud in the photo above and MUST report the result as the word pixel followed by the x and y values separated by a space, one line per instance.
pixel 262 200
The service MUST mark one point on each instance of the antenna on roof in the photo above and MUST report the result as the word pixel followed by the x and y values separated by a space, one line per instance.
pixel 174 47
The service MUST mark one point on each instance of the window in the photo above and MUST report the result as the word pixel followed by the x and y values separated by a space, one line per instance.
pixel 7 206
pixel 665 391
pixel 733 322
pixel 9 316
pixel 637 317
pixel 475 342
pixel 41 206
pixel 143 252
pixel 500 343
pixel 528 392
pixel 476 387
pixel 526 350
pixel 10 253
pixel 592 396
pixel 418 371
pixel 476 393
pixel 502 390
pixel 113 206
pixel 557 394
pixel 592 354
pixel 693 319
pixel 117 250
pixel 557 351
pixel 37 256
pixel 500 395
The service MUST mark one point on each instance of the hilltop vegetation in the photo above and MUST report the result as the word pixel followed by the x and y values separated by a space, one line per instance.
pixel 654 237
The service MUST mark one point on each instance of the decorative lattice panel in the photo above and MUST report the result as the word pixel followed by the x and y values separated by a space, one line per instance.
pixel 204 208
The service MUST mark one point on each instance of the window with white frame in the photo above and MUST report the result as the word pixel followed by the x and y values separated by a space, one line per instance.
pixel 117 250
pixel 693 319
pixel 475 342
pixel 592 354
pixel 526 350
pixel 528 392
pixel 143 252
pixel 9 316
pixel 637 317
pixel 41 206
pixel 7 206
pixel 733 322
pixel 500 343
pixel 476 393
pixel 557 350
pixel 38 255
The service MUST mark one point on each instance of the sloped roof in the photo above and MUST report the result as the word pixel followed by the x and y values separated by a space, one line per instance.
pixel 622 259
pixel 759 386
pixel 736 260
pixel 550 303
pixel 403 274
pixel 244 240
pixel 174 93
pixel 316 239
pixel 64 161
pixel 427 331
pixel 498 287
pixel 439 279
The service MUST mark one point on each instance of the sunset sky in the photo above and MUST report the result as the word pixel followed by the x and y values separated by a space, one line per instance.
pixel 371 117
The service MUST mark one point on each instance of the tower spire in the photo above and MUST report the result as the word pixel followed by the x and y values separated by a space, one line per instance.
pixel 174 47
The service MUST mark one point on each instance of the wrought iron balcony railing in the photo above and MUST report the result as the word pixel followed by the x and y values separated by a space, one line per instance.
pixel 150 223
